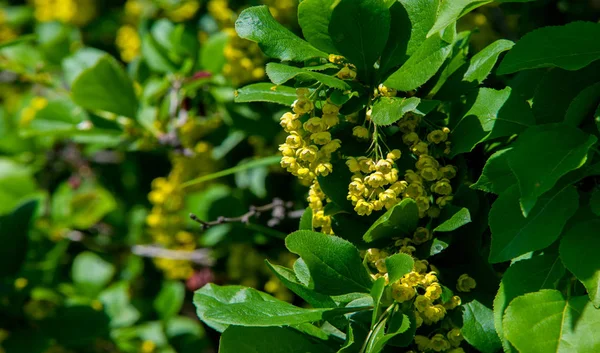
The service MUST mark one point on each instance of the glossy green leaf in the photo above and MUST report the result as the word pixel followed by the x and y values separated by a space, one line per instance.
pixel 314 17
pixel 335 265
pixel 14 232
pixel 91 273
pixel 525 276
pixel 584 105
pixel 279 74
pixel 359 30
pixel 258 25
pixel 306 220
pixel 542 155
pixel 546 47
pixel 497 175
pixel 493 114
pixel 400 220
pixel 105 86
pixel 452 218
pixel 421 15
pixel 578 253
pixel 478 327
pixel 268 339
pixel 483 62
pixel 514 235
pixel 170 299
pixel 421 66
pixel 450 11
pixel 388 110
pixel 398 265
pixel 242 306
pixel 545 321
pixel 266 92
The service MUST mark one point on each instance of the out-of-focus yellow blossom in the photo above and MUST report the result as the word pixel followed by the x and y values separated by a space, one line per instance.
pixel 183 11
pixel 77 12
pixel 128 42
pixel 29 112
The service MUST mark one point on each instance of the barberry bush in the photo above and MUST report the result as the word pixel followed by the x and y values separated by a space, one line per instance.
pixel 350 176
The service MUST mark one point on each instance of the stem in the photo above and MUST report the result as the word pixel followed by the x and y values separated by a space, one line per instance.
pixel 383 316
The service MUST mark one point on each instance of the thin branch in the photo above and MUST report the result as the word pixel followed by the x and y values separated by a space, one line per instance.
pixel 198 256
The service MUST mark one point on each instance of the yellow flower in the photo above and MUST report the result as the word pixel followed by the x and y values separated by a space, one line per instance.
pixel 302 106
pixel 439 343
pixel 308 153
pixel 330 109
pixel 294 140
pixel 422 342
pixel 321 138
pixel 403 292
pixel 394 154
pixel 434 313
pixel 437 136
pixel 346 73
pixel 448 171
pixel 429 173
pixel 421 266
pixel 442 187
pixel 383 166
pixel 434 291
pixel 375 180
pixel 452 303
pixel 465 283
pixel 360 132
pixel 302 92
pixel 336 59
pixel 455 337
pixel 363 208
pixel 21 283
pixel 330 119
pixel 420 148
pixel 443 200
pixel 410 138
pixel 366 164
pixel 314 125
pixel 386 91
pixel 421 235
pixel 148 347
pixel 332 146
pixel 433 212
pixel 353 165
pixel 422 303
pixel 324 169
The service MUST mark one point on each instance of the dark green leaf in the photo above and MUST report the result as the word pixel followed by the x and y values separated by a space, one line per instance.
pixel 400 220
pixel 266 92
pixel 257 24
pixel 547 322
pixel 279 74
pixel 398 265
pixel 452 218
pixel 395 51
pixel 543 154
pixel 584 105
pixel 314 17
pixel 105 86
pixel 478 327
pixel 450 11
pixel 16 184
pixel 14 231
pixel 359 30
pixel 268 339
pixel 483 62
pixel 578 251
pixel 334 264
pixel 335 185
pixel 387 110
pixel 546 47
pixel 497 175
pixel 514 235
pixel 595 202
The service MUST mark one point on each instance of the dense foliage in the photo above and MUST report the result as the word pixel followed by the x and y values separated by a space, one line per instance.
pixel 417 176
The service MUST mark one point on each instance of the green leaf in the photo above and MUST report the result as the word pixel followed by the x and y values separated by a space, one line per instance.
pixel 388 110
pixel 155 56
pixel 91 273
pixel 116 301
pixel 268 339
pixel 395 51
pixel 82 59
pixel 422 16
pixel 16 184
pixel 595 202
pixel 483 62
pixel 514 235
pixel 377 294
pixel 14 230
pixel 493 114
pixel 542 155
pixel 60 117
pixel 478 327
pixel 82 207
pixel 335 265
pixel 525 276
pixel 400 220
pixel 380 338
pixel 211 53
pixel 242 306
pixel 105 86
pixel 421 66
pixel 584 105
pixel 546 47
pixel 266 92
pixel 335 185
pixel 398 265
pixel 547 322
pixel 452 218
pixel 497 175
pixel 257 24
pixel 289 279
pixel 359 30
pixel 170 299
pixel 578 252
pixel 306 220
pixel 279 74
pixel 314 17
pixel 450 11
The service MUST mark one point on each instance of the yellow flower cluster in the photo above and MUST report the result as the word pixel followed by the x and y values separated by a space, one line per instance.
pixel 441 343
pixel 29 112
pixel 77 12
pixel 245 61
pixel 128 42
pixel 222 13
pixel 183 10
pixel 284 11
pixel 6 32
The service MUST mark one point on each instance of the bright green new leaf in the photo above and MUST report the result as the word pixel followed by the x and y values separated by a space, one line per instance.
pixel 388 110
pixel 421 66
pixel 306 220
pixel 91 273
pixel 578 251
pixel 452 218
pixel 493 114
pixel 400 220
pixel 266 92
pixel 314 17
pixel 450 11
pixel 497 175
pixel 584 105
pixel 359 30
pixel 525 276
pixel 483 62
pixel 212 56
pixel 269 339
pixel 14 230
pixel 279 74
pixel 105 86
pixel 335 265
pixel 16 184
pixel 170 299
pixel 422 16
pixel 514 235
pixel 543 154
pixel 242 306
pixel 398 265
pixel 116 301
pixel 545 321
pixel 79 61
pixel 258 25
pixel 478 327
pixel 547 47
